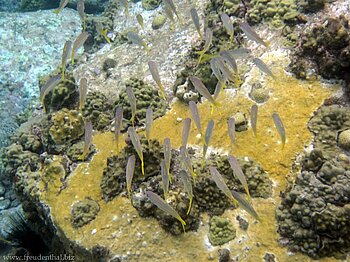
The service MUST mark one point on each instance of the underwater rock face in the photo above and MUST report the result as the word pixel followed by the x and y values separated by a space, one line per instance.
pixel 83 212
pixel 324 49
pixel 221 231
pixel 314 216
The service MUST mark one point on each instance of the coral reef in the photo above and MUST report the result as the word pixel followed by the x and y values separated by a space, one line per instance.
pixel 83 212
pixel 221 231
pixel 67 125
pixel 309 6
pixel 98 110
pixel 314 214
pixel 276 12
pixel 34 5
pixel 344 139
pixel 323 49
pixel 64 95
pixel 15 158
pixel 75 151
pixel 326 124
pixel 150 4
pixel 146 96
pixel 158 21
pixel 209 197
pixel 113 179
pixel 259 94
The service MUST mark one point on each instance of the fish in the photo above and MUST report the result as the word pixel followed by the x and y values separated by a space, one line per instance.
pixel 83 86
pixel 244 204
pixel 254 118
pixel 135 140
pixel 186 131
pixel 65 54
pixel 130 168
pixel 48 87
pixel 231 127
pixel 164 206
pixel 207 44
pixel 170 15
pixel 216 70
pixel 207 137
pixel 195 115
pixel 135 39
pixel 225 70
pixel 81 11
pixel 172 6
pixel 227 24
pixel 167 155
pixel 102 31
pixel 186 161
pixel 126 6
pixel 62 5
pixel 187 187
pixel 237 170
pixel 280 127
pixel 218 89
pixel 132 100
pixel 165 178
pixel 79 42
pixel 240 52
pixel 220 183
pixel 263 67
pixel 203 90
pixel 195 19
pixel 229 59
pixel 149 121
pixel 87 139
pixel 153 68
pixel 252 35
pixel 139 19
pixel 118 119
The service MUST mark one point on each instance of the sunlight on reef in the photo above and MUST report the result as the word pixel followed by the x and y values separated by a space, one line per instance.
pixel 118 225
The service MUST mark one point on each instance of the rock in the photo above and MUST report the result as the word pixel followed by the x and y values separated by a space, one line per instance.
pixel 158 21
pixel 224 255
pixel 243 224
pixel 241 122
pixel 4 204
pixel 2 190
pixel 268 257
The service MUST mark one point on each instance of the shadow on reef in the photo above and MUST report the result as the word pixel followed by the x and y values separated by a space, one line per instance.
pixel 22 237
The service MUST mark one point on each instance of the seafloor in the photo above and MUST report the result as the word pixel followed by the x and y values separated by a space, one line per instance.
pixel 65 185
